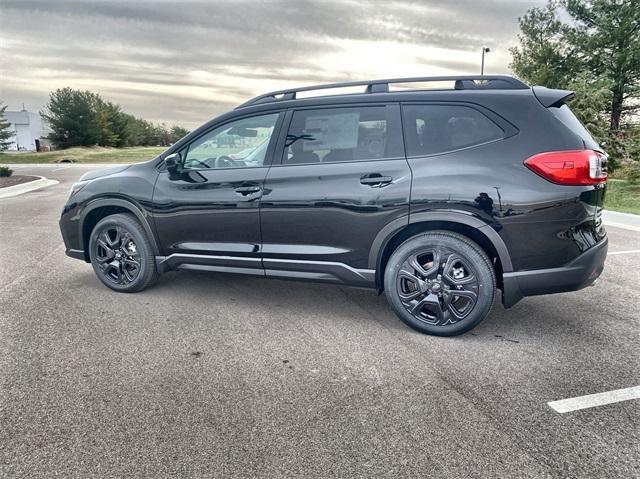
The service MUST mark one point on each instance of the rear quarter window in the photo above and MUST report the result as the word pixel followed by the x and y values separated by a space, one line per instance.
pixel 434 129
pixel 566 116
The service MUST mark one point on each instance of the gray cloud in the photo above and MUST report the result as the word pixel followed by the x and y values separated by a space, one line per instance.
pixel 186 61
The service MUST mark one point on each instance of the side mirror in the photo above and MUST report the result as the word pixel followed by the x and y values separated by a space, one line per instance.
pixel 172 161
pixel 173 164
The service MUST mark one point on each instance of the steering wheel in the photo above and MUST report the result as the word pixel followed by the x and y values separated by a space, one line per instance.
pixel 224 161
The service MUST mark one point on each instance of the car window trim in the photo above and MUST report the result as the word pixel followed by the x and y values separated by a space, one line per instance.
pixel 270 148
pixel 448 152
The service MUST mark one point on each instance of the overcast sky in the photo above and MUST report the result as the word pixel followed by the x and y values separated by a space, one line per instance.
pixel 185 62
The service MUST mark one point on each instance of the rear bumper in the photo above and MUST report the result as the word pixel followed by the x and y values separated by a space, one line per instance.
pixel 579 273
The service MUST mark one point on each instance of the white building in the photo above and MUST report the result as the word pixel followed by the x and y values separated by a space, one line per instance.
pixel 27 127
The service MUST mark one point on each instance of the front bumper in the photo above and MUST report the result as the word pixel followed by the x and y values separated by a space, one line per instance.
pixel 71 238
pixel 579 273
pixel 75 253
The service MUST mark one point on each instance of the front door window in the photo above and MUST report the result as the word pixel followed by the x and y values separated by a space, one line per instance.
pixel 238 144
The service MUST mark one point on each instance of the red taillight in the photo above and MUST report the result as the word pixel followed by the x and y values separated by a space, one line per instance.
pixel 575 167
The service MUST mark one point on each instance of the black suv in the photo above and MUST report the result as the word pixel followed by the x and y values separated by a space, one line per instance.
pixel 436 190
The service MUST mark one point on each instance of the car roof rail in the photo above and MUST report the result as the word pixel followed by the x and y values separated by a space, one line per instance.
pixel 473 82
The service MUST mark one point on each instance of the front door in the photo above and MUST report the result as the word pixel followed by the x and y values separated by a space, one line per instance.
pixel 341 178
pixel 207 215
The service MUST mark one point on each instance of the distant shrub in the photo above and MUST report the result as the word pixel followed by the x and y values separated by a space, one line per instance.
pixel 5 171
pixel 631 172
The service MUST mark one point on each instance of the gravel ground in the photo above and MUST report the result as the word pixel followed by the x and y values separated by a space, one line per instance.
pixel 212 375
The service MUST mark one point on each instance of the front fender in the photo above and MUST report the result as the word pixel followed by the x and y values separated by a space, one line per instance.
pixel 127 204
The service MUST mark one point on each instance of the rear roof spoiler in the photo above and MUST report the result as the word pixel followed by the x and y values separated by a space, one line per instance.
pixel 549 97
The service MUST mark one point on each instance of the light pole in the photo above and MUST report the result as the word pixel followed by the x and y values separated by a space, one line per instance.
pixel 484 50
pixel 499 197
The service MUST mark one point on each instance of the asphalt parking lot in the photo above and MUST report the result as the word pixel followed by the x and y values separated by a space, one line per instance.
pixel 212 375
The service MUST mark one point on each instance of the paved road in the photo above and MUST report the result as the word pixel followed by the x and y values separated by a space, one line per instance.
pixel 228 376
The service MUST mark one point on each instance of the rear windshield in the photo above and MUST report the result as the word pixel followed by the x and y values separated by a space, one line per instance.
pixel 566 116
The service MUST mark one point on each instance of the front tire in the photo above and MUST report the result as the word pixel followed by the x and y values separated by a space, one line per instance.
pixel 440 283
pixel 121 254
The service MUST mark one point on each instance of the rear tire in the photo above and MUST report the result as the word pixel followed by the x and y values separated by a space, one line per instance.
pixel 440 283
pixel 121 254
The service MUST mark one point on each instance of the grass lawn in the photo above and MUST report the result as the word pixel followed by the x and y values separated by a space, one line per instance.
pixel 621 196
pixel 86 155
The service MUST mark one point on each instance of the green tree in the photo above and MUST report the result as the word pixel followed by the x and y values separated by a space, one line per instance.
pixel 176 133
pixel 590 104
pixel 133 130
pixel 543 56
pixel 5 129
pixel 73 118
pixel 149 135
pixel 115 126
pixel 606 35
pixel 595 53
pixel 602 40
pixel 83 118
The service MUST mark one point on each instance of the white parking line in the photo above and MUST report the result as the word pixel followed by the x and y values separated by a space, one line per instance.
pixel 593 400
pixel 624 252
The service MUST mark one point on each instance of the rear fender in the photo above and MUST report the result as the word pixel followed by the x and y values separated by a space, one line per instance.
pixel 386 235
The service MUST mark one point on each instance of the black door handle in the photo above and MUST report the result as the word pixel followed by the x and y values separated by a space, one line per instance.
pixel 247 190
pixel 375 180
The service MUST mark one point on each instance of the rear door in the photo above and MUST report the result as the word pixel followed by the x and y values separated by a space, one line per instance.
pixel 341 177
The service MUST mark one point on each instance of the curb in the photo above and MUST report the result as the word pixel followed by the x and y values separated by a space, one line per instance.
pixel 16 190
pixel 621 226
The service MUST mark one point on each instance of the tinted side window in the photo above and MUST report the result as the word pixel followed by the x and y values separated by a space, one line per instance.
pixel 566 116
pixel 331 135
pixel 432 129
pixel 238 144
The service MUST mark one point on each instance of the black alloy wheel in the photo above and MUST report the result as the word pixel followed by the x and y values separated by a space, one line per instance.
pixel 117 255
pixel 121 254
pixel 440 283
pixel 438 286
